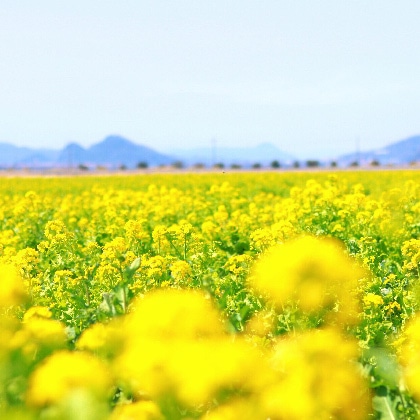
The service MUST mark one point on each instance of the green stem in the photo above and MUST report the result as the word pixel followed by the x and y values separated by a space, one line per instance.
pixel 87 293
pixel 403 403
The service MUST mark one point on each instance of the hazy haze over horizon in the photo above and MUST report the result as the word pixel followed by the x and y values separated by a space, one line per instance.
pixel 316 79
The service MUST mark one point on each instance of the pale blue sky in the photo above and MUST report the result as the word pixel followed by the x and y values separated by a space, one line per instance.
pixel 311 76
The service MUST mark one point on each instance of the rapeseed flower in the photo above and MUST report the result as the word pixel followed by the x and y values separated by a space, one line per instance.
pixel 38 334
pixel 176 344
pixel 12 291
pixel 370 299
pixel 315 377
pixel 244 409
pixel 181 271
pixel 314 273
pixel 174 313
pixel 140 410
pixel 409 356
pixel 64 373
pixel 100 338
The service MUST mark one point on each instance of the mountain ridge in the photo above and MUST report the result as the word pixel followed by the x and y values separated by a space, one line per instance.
pixel 115 151
pixel 401 152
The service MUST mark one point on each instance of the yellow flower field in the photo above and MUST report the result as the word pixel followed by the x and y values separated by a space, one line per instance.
pixel 265 295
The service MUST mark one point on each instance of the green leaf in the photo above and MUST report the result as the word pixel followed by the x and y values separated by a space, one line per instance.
pixel 385 367
pixel 120 298
pixel 132 268
pixel 384 405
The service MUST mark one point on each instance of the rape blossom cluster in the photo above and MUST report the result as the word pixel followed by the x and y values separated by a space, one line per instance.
pixel 252 296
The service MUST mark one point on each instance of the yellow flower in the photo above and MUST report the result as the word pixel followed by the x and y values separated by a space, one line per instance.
pixel 393 307
pixel 103 338
pixel 56 229
pixel 244 409
pixel 409 355
pixel 316 377
pixel 64 373
pixel 191 370
pixel 12 290
pixel 238 264
pixel 135 230
pixel 176 344
pixel 262 323
pixel 411 251
pixel 141 410
pixel 155 266
pixel 174 313
pixel 180 270
pixel 262 238
pixel 221 215
pixel 37 311
pixel 115 249
pixel 314 273
pixel 26 258
pixel 338 228
pixel 372 300
pixel 38 332
pixel 199 369
pixel 62 276
pixel 209 228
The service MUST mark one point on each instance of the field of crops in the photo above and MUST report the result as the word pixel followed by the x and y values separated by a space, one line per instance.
pixel 210 296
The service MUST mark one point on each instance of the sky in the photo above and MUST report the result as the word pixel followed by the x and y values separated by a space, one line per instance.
pixel 314 78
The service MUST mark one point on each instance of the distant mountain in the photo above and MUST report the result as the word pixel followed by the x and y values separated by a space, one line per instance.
pixel 72 154
pixel 114 151
pixel 399 153
pixel 111 152
pixel 264 153
pixel 11 156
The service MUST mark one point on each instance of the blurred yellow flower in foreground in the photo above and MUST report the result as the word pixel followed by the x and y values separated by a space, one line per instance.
pixel 316 377
pixel 39 333
pixel 409 355
pixel 314 273
pixel 141 410
pixel 174 313
pixel 101 339
pixel 12 291
pixel 65 372
pixel 37 312
pixel 176 344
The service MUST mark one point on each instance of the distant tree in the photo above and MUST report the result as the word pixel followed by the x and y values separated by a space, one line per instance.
pixel 375 162
pixel 199 165
pixel 275 164
pixel 178 164
pixel 256 165
pixel 219 165
pixel 296 164
pixel 122 167
pixel 354 164
pixel 312 163
pixel 235 166
pixel 82 167
pixel 333 164
pixel 142 165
